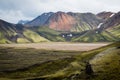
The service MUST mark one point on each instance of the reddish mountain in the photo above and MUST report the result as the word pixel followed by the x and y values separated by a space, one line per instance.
pixel 61 21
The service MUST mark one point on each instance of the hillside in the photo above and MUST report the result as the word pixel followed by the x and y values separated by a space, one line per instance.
pixel 105 15
pixel 66 66
pixel 61 27
pixel 108 31
pixel 62 21
pixel 48 33
pixel 17 33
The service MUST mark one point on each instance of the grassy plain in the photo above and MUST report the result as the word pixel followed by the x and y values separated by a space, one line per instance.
pixel 39 64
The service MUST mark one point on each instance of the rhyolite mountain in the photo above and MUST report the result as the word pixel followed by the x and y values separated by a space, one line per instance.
pixel 61 26
pixel 62 21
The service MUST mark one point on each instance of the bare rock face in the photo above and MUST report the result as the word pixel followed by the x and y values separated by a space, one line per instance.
pixel 61 21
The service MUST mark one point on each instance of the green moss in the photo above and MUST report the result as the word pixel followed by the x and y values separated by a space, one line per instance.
pixel 95 36
pixel 34 36
pixel 105 67
pixel 22 40
pixel 3 41
pixel 50 34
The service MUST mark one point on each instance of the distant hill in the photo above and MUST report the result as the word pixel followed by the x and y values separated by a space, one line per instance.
pixel 61 26
pixel 40 20
pixel 109 30
pixel 23 22
pixel 105 15
pixel 62 21
pixel 17 33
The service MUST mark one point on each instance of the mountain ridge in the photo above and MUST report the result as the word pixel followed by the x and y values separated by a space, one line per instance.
pixel 62 21
pixel 61 26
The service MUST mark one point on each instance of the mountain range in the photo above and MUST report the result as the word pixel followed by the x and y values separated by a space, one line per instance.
pixel 61 26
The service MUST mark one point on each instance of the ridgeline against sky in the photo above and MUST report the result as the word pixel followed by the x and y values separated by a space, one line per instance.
pixel 15 10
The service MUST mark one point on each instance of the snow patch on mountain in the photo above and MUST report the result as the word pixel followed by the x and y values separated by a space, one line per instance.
pixel 99 25
pixel 112 15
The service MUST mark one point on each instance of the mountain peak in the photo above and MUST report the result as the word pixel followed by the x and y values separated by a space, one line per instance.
pixel 61 21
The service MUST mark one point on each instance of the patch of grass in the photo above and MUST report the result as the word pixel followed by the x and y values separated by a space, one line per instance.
pixel 96 36
pixel 22 40
pixel 61 68
pixel 34 36
pixel 50 34
pixel 3 41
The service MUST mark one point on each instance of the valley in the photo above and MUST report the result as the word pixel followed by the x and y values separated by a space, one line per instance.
pixel 63 27
pixel 59 46
pixel 20 62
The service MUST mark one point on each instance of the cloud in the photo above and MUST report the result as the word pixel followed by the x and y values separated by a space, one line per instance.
pixel 14 10
pixel 13 16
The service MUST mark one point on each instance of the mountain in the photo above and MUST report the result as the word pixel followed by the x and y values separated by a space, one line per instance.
pixel 86 20
pixel 105 15
pixel 40 20
pixel 23 22
pixel 62 21
pixel 109 30
pixel 17 33
pixel 61 26
pixel 111 22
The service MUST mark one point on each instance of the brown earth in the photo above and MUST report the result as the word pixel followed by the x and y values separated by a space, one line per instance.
pixel 59 46
pixel 61 21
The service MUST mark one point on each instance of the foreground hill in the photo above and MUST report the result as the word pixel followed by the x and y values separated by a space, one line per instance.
pixel 62 65
pixel 17 33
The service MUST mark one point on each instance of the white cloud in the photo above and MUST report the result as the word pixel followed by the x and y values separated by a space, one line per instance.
pixel 14 10
pixel 13 16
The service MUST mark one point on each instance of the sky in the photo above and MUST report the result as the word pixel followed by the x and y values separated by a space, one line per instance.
pixel 15 10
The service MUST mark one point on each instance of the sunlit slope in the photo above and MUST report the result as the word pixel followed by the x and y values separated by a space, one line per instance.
pixel 50 34
pixel 109 35
pixel 16 33
pixel 33 36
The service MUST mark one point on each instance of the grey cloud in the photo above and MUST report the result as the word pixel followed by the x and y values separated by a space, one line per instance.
pixel 29 9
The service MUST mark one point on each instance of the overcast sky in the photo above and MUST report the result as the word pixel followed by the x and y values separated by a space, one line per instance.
pixel 15 10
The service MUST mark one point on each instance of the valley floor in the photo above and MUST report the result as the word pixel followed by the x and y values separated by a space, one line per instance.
pixel 26 63
pixel 59 46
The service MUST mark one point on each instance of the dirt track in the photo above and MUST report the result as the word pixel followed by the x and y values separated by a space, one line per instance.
pixel 60 46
